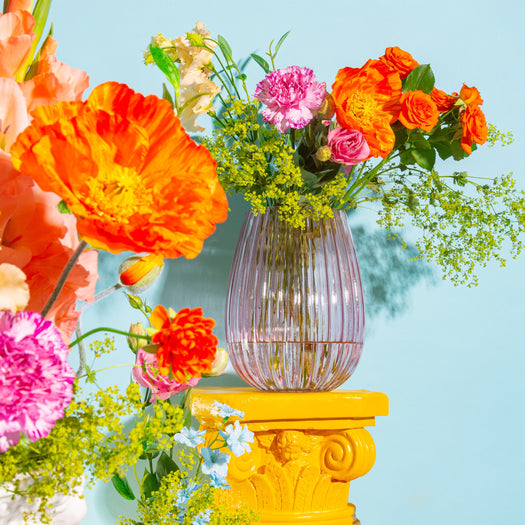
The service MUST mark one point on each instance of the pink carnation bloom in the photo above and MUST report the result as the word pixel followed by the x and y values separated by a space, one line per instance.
pixel 147 374
pixel 35 377
pixel 348 146
pixel 290 94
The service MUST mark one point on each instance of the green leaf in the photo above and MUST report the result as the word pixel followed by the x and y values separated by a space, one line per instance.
pixel 225 48
pixel 40 13
pixel 149 484
pixel 122 487
pixel 457 151
pixel 421 77
pixel 6 5
pixel 166 95
pixel 419 141
pixel 165 465
pixel 426 158
pixel 309 178
pixel 280 43
pixel 62 207
pixel 444 150
pixel 401 137
pixel 166 65
pixel 186 417
pixel 91 376
pixel 260 60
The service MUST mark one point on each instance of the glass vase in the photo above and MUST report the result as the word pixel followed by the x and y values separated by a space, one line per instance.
pixel 295 315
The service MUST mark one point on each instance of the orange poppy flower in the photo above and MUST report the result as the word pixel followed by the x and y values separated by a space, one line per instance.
pixel 418 110
pixel 367 99
pixel 187 346
pixel 399 61
pixel 127 170
pixel 474 127
pixel 443 101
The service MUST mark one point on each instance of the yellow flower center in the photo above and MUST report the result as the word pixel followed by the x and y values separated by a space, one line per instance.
pixel 362 107
pixel 119 192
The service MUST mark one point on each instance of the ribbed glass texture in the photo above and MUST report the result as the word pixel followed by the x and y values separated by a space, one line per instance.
pixel 295 316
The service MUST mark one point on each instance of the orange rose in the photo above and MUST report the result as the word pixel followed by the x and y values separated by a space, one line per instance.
pixel 443 101
pixel 399 61
pixel 474 128
pixel 470 96
pixel 418 110
pixel 367 99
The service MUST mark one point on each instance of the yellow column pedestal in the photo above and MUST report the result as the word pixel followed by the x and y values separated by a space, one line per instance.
pixel 307 449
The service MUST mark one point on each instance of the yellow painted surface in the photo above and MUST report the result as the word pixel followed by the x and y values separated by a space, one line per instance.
pixel 307 449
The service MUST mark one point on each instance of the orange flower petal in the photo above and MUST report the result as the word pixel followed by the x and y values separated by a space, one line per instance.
pixel 127 170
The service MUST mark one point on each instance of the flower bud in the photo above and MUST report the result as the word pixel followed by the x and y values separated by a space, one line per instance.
pixel 220 363
pixel 135 343
pixel 327 108
pixel 137 273
pixel 323 153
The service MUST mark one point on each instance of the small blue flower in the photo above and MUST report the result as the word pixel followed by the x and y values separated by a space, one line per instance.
pixel 214 461
pixel 218 482
pixel 237 438
pixel 203 518
pixel 227 411
pixel 190 437
pixel 184 495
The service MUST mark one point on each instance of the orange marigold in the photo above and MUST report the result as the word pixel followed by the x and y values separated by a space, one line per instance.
pixel 418 110
pixel 367 99
pixel 443 101
pixel 398 60
pixel 474 127
pixel 187 346
pixel 127 170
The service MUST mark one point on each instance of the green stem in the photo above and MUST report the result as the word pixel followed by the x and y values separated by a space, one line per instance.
pixel 101 295
pixel 106 329
pixel 63 278
pixel 81 353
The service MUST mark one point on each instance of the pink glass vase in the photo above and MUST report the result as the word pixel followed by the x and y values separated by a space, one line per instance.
pixel 295 315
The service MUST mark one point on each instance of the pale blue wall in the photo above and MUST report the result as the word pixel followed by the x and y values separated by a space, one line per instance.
pixel 450 359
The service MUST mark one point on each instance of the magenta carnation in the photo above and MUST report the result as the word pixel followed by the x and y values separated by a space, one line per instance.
pixel 147 374
pixel 290 95
pixel 348 146
pixel 36 381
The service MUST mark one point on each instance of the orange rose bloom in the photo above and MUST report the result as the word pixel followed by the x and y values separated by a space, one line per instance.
pixel 127 170
pixel 187 346
pixel 367 99
pixel 418 110
pixel 474 128
pixel 399 61
pixel 443 101
pixel 470 96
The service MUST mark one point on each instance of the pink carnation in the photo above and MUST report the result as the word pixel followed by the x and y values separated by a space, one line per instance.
pixel 290 94
pixel 147 374
pixel 35 377
pixel 348 146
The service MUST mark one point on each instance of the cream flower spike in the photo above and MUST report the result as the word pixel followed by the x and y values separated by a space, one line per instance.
pixel 14 291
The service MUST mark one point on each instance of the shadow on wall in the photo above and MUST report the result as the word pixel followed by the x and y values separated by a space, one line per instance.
pixel 387 271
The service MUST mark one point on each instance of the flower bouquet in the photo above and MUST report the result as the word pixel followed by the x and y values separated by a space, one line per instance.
pixel 301 155
pixel 108 173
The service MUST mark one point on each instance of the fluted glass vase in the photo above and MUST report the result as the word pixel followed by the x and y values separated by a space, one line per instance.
pixel 295 315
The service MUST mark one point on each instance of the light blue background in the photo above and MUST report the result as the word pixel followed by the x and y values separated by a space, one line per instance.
pixel 450 359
